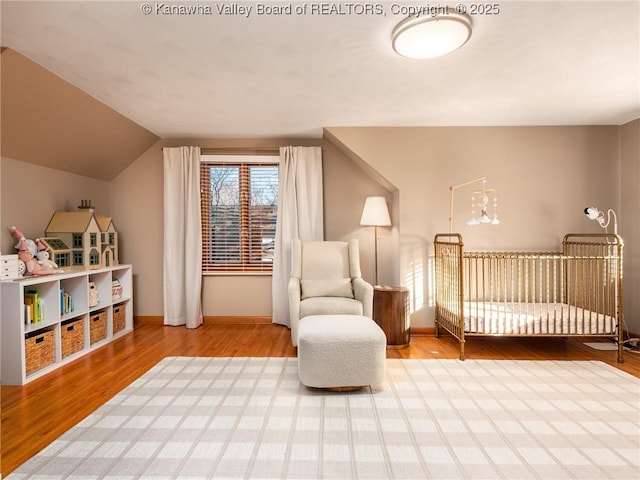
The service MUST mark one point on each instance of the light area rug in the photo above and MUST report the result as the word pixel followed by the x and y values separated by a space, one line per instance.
pixel 206 418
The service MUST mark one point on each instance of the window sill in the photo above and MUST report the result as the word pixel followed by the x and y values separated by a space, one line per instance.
pixel 237 274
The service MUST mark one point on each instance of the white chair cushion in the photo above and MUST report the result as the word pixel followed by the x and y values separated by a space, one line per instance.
pixel 330 306
pixel 325 260
pixel 330 287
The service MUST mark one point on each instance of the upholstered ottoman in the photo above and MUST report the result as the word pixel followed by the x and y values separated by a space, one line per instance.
pixel 340 351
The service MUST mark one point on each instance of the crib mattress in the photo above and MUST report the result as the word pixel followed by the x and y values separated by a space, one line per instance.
pixel 535 319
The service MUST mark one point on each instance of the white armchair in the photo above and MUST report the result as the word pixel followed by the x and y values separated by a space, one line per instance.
pixel 326 280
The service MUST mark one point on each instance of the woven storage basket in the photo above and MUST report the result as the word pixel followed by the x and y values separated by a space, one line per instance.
pixel 39 351
pixel 72 337
pixel 119 315
pixel 97 327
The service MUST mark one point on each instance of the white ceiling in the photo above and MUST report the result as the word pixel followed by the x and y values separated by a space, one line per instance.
pixel 534 63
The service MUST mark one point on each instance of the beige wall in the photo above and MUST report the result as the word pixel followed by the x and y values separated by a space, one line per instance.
pixel 544 177
pixel 137 199
pixel 31 194
pixel 346 188
pixel 630 221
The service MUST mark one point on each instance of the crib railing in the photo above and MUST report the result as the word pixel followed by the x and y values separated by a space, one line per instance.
pixel 574 292
pixel 594 277
pixel 512 277
pixel 448 268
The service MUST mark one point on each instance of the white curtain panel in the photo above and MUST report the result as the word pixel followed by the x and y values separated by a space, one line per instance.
pixel 182 237
pixel 300 214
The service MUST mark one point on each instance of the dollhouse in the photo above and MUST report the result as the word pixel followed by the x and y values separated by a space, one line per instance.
pixel 91 240
pixel 109 241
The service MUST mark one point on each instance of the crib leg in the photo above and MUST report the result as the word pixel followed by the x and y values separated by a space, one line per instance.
pixel 461 349
pixel 437 329
pixel 620 349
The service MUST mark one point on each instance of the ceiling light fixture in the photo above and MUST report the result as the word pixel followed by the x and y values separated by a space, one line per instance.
pixel 431 34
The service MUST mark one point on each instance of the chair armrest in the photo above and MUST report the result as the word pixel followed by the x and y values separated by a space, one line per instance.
pixel 363 291
pixel 293 291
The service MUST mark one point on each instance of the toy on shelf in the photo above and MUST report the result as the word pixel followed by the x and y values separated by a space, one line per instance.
pixel 19 236
pixel 92 239
pixel 94 299
pixel 26 251
pixel 43 258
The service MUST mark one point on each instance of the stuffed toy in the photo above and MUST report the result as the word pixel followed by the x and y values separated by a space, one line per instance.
pixel 25 254
pixel 19 236
pixel 43 257
pixel 32 266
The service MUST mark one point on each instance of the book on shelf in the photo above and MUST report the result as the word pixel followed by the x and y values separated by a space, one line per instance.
pixel 66 302
pixel 34 305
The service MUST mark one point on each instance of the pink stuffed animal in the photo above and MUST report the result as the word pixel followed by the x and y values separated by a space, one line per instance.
pixel 18 235
pixel 25 254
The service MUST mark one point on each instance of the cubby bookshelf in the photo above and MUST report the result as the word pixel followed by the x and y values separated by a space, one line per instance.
pixel 20 340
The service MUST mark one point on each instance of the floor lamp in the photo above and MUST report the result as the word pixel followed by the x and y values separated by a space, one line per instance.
pixel 375 214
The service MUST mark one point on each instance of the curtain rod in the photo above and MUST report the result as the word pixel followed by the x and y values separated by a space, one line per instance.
pixel 241 151
pixel 238 150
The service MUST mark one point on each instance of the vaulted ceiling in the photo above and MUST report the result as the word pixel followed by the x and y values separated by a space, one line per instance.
pixel 218 75
pixel 49 122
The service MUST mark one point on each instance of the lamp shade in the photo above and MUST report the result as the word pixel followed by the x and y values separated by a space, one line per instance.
pixel 375 213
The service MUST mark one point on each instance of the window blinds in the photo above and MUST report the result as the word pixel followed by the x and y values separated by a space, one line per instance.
pixel 239 212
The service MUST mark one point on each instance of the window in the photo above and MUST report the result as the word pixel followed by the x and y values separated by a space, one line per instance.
pixel 57 244
pixel 94 258
pixel 77 240
pixel 239 209
pixel 78 258
pixel 62 259
pixel 93 239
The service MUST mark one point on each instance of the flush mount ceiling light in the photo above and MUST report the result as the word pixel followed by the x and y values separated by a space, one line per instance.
pixel 429 36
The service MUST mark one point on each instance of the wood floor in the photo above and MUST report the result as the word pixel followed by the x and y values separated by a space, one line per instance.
pixel 34 415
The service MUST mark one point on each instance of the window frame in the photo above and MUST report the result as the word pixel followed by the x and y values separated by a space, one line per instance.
pixel 94 257
pixel 244 163
pixel 63 259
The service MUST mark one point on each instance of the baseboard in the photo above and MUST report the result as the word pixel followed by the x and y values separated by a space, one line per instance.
pixel 229 320
pixel 631 334
pixel 148 319
pixel 221 320
pixel 423 331
pixel 209 320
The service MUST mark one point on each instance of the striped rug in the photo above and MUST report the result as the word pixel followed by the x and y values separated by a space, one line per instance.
pixel 233 418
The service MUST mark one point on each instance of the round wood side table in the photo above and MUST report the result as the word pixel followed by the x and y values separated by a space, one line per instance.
pixel 391 312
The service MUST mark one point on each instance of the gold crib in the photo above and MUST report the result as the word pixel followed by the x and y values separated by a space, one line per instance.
pixel 576 292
